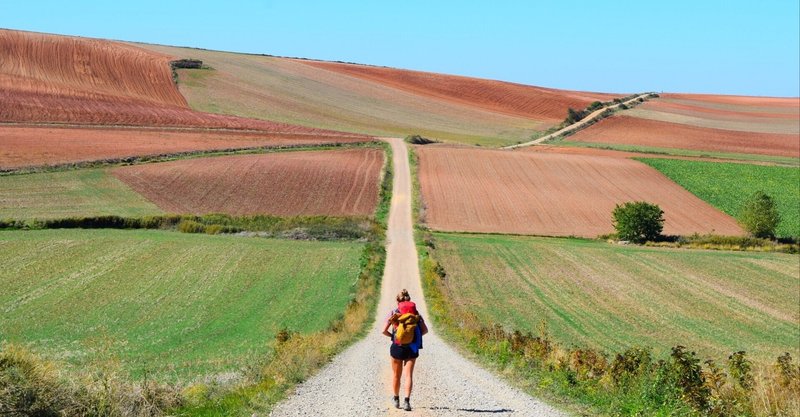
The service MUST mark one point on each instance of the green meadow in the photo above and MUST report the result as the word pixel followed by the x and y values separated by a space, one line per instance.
pixel 170 304
pixel 612 297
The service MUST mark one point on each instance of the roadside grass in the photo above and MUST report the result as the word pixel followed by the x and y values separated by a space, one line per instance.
pixel 779 160
pixel 611 297
pixel 171 305
pixel 727 185
pixel 502 286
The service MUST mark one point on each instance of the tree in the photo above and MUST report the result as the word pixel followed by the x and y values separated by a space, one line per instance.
pixel 759 215
pixel 638 221
pixel 574 116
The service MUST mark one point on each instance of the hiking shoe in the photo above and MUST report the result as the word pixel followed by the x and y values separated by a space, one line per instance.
pixel 396 401
pixel 406 405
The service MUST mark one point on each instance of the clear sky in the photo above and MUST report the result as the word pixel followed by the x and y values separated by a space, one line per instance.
pixel 702 46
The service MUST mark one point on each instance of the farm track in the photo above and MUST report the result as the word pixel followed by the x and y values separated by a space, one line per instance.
pixel 577 125
pixel 357 382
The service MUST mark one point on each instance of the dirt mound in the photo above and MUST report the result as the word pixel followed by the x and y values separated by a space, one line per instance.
pixel 498 96
pixel 550 194
pixel 26 146
pixel 337 183
pixel 637 131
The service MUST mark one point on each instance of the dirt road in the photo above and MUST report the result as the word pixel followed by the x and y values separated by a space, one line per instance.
pixel 357 382
pixel 577 125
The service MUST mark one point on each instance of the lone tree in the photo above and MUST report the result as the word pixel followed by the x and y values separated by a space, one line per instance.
pixel 638 221
pixel 759 215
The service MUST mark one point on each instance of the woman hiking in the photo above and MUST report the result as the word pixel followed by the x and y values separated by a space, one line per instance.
pixel 407 330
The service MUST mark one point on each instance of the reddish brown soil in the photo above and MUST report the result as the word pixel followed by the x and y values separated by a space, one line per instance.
pixel 508 98
pixel 779 102
pixel 477 190
pixel 644 132
pixel 24 146
pixel 339 183
pixel 693 108
pixel 61 79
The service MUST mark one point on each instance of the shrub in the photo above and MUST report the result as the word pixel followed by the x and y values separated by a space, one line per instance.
pixel 759 215
pixel 574 116
pixel 594 106
pixel 638 221
pixel 418 140
pixel 191 226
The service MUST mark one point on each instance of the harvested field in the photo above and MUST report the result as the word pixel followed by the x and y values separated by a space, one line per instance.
pixel 653 133
pixel 62 79
pixel 496 96
pixel 27 146
pixel 615 297
pixel 336 183
pixel 164 304
pixel 298 92
pixel 550 194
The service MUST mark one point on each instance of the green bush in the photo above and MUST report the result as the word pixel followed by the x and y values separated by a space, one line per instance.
pixel 638 221
pixel 418 140
pixel 759 215
pixel 574 116
pixel 191 226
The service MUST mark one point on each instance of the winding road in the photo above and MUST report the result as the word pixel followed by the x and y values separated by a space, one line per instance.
pixel 357 382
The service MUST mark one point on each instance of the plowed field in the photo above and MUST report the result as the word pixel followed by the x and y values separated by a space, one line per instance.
pixel 497 96
pixel 341 183
pixel 50 78
pixel 654 133
pixel 300 92
pixel 550 194
pixel 25 146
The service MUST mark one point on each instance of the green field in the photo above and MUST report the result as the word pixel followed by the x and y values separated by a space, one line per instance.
pixel 726 185
pixel 174 304
pixel 85 192
pixel 612 297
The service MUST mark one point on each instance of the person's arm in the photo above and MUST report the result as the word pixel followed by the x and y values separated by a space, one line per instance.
pixel 386 329
pixel 423 327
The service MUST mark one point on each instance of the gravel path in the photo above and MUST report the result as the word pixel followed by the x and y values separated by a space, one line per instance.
pixel 357 382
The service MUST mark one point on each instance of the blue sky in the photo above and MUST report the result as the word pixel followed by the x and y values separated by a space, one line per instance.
pixel 726 47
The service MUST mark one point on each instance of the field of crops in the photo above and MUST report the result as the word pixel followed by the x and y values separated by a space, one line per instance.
pixel 725 186
pixel 170 303
pixel 87 192
pixel 612 297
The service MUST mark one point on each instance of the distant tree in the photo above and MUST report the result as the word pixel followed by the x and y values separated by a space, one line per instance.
pixel 574 115
pixel 759 215
pixel 638 221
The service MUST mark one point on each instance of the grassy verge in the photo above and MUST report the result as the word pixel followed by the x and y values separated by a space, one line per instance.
pixel 635 381
pixel 727 185
pixel 780 160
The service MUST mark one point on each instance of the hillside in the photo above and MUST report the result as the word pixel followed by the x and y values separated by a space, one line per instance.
pixel 371 100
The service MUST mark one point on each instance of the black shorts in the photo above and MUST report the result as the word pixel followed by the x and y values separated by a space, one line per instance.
pixel 403 353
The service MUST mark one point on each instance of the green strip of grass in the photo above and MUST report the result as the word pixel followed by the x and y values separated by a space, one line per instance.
pixel 89 192
pixel 727 185
pixel 172 304
pixel 781 160
pixel 613 297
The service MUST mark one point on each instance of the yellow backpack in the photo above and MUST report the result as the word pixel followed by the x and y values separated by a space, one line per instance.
pixel 406 326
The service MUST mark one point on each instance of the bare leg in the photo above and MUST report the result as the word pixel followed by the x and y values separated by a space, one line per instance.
pixel 409 371
pixel 397 371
